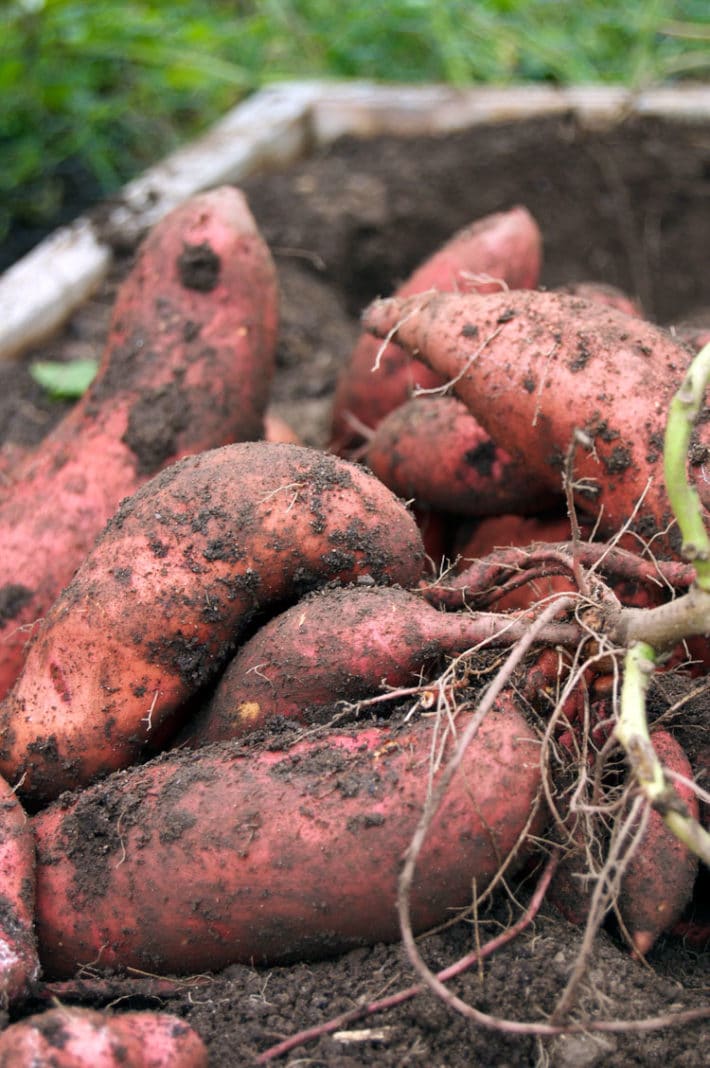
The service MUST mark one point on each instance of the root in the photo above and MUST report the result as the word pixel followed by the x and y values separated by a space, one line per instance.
pixel 481 582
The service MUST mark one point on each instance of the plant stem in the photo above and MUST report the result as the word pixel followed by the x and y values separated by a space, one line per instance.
pixel 647 632
pixel 682 414
pixel 632 733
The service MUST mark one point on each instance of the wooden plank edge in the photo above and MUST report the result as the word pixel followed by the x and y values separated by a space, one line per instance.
pixel 272 128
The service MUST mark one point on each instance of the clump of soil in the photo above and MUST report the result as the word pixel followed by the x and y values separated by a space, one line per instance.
pixel 625 205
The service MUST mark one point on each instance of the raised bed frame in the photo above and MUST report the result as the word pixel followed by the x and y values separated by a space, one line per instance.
pixel 270 129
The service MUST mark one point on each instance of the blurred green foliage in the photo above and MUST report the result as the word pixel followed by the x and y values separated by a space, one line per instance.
pixel 64 380
pixel 93 92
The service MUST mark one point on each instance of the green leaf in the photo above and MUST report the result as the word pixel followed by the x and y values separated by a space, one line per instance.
pixel 64 381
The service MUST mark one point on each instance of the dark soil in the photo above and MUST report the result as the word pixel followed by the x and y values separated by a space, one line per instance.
pixel 628 206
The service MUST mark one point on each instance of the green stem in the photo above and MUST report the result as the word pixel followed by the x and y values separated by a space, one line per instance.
pixel 632 729
pixel 682 414
pixel 632 733
pixel 647 633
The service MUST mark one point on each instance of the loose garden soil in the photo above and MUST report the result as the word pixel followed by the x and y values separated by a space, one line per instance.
pixel 627 205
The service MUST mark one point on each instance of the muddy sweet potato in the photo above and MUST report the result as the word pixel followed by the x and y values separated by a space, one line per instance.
pixel 199 859
pixel 185 565
pixel 604 293
pixel 431 450
pixel 19 964
pixel 693 331
pixel 570 890
pixel 499 251
pixel 492 534
pixel 538 368
pixel 187 366
pixel 658 880
pixel 67 1037
pixel 498 531
pixel 340 645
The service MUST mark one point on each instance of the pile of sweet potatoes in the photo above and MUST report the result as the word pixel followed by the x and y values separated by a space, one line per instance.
pixel 234 668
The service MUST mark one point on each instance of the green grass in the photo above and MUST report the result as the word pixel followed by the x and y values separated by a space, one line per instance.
pixel 93 92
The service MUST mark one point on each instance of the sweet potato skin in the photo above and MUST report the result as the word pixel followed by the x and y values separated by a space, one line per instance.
pixel 187 366
pixel 553 365
pixel 694 331
pixel 499 251
pixel 180 571
pixel 197 860
pixel 498 531
pixel 83 1038
pixel 432 450
pixel 276 429
pixel 338 645
pixel 658 881
pixel 604 293
pixel 19 964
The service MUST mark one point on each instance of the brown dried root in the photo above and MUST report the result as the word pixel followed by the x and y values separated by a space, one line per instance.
pixel 627 833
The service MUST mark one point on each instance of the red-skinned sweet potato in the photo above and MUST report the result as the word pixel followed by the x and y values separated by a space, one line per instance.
pixel 604 293
pixel 499 531
pixel 277 430
pixel 187 366
pixel 340 645
pixel 526 588
pixel 499 251
pixel 435 529
pixel 694 331
pixel 19 964
pixel 67 1037
pixel 571 887
pixel 167 592
pixel 197 860
pixel 658 880
pixel 547 366
pixel 12 456
pixel 431 450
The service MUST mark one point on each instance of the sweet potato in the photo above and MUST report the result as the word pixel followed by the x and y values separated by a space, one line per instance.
pixel 199 859
pixel 433 451
pixel 187 366
pixel 180 571
pixel 537 368
pixel 276 429
pixel 12 456
pixel 658 880
pixel 339 645
pixel 604 293
pixel 498 531
pixel 19 964
pixel 84 1038
pixel 570 890
pixel 499 251
pixel 694 331
pixel 494 533
pixel 435 529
